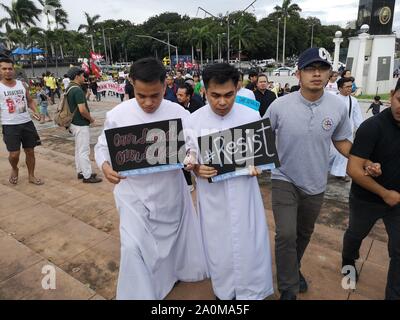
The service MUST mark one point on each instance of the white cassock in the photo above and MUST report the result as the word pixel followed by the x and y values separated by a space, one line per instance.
pixel 159 228
pixel 339 162
pixel 232 218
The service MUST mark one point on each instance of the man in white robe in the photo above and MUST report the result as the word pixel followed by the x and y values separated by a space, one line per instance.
pixel 232 215
pixel 159 229
pixel 339 162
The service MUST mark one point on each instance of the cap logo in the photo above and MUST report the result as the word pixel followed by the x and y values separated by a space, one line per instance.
pixel 324 54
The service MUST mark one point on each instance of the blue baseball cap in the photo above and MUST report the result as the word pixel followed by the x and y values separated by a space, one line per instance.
pixel 312 55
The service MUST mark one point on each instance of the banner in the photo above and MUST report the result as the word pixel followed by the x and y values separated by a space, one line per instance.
pixel 111 86
pixel 232 151
pixel 147 148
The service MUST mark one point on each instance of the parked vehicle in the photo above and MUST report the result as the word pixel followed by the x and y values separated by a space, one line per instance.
pixel 284 71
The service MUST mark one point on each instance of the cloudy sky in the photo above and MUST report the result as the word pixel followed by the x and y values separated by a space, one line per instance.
pixel 137 11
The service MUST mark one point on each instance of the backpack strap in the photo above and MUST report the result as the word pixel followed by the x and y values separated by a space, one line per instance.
pixel 66 97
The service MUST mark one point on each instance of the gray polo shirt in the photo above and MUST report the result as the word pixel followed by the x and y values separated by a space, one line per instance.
pixel 304 131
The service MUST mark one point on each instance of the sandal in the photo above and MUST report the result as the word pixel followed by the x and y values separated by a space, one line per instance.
pixel 13 179
pixel 36 181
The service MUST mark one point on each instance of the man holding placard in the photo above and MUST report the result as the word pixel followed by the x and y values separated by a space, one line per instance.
pixel 160 234
pixel 231 211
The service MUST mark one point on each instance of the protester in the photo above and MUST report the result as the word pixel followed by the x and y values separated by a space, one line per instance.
pixel 376 105
pixel 339 163
pixel 231 212
pixel 263 95
pixel 18 128
pixel 378 139
pixel 81 121
pixel 159 229
pixel 43 102
pixel 305 123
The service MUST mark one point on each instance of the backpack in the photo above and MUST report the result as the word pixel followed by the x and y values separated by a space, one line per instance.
pixel 63 116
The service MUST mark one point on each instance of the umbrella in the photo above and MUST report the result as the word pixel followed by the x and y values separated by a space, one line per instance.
pixel 19 51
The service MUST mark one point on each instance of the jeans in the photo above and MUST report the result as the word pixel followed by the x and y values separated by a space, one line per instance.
pixel 295 214
pixel 363 216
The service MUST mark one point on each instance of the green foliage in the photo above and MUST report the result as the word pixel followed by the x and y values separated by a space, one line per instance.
pixel 255 39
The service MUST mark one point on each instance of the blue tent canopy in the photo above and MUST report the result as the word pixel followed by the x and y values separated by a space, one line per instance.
pixel 35 51
pixel 19 51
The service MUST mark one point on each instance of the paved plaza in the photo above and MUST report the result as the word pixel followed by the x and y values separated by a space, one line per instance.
pixel 74 227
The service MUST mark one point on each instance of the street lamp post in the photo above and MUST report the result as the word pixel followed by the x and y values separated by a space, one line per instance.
pixel 337 41
pixel 312 35
pixel 227 20
pixel 111 55
pixel 277 42
pixel 91 38
pixel 168 44
pixel 105 46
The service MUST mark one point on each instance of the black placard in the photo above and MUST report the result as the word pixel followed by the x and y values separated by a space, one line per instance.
pixel 146 148
pixel 231 151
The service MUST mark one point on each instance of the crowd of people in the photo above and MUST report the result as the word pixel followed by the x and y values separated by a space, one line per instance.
pixel 164 239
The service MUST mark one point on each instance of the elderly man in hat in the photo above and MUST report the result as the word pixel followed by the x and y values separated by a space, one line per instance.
pixel 80 125
pixel 305 123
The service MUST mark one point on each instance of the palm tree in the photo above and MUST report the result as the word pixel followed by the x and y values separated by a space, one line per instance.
pixel 243 32
pixel 287 10
pixel 33 33
pixel 12 36
pixel 21 13
pixel 91 26
pixel 60 15
pixel 200 35
pixel 61 18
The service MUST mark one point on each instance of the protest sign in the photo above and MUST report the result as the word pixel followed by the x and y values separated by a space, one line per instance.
pixel 232 151
pixel 146 148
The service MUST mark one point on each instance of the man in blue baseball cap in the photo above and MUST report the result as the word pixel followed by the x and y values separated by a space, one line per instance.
pixel 305 123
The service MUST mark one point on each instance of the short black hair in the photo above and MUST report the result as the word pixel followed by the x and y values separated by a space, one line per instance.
pixel 253 73
pixel 6 60
pixel 344 72
pixel 189 89
pixel 148 70
pixel 262 75
pixel 342 81
pixel 220 73
pixel 397 86
pixel 377 98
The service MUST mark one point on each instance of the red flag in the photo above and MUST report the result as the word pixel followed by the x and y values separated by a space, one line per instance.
pixel 95 69
pixel 85 67
pixel 95 56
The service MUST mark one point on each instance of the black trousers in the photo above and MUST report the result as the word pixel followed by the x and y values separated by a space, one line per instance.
pixel 363 216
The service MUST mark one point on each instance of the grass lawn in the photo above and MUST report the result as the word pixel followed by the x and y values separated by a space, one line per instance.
pixel 385 96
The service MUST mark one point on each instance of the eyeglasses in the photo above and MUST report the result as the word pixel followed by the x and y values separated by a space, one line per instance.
pixel 315 67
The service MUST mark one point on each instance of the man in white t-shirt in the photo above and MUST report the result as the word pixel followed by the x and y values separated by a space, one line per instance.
pixel 18 127
pixel 66 82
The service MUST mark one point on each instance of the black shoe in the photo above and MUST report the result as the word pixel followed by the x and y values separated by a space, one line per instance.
pixel 349 262
pixel 303 286
pixel 287 295
pixel 92 180
pixel 80 175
